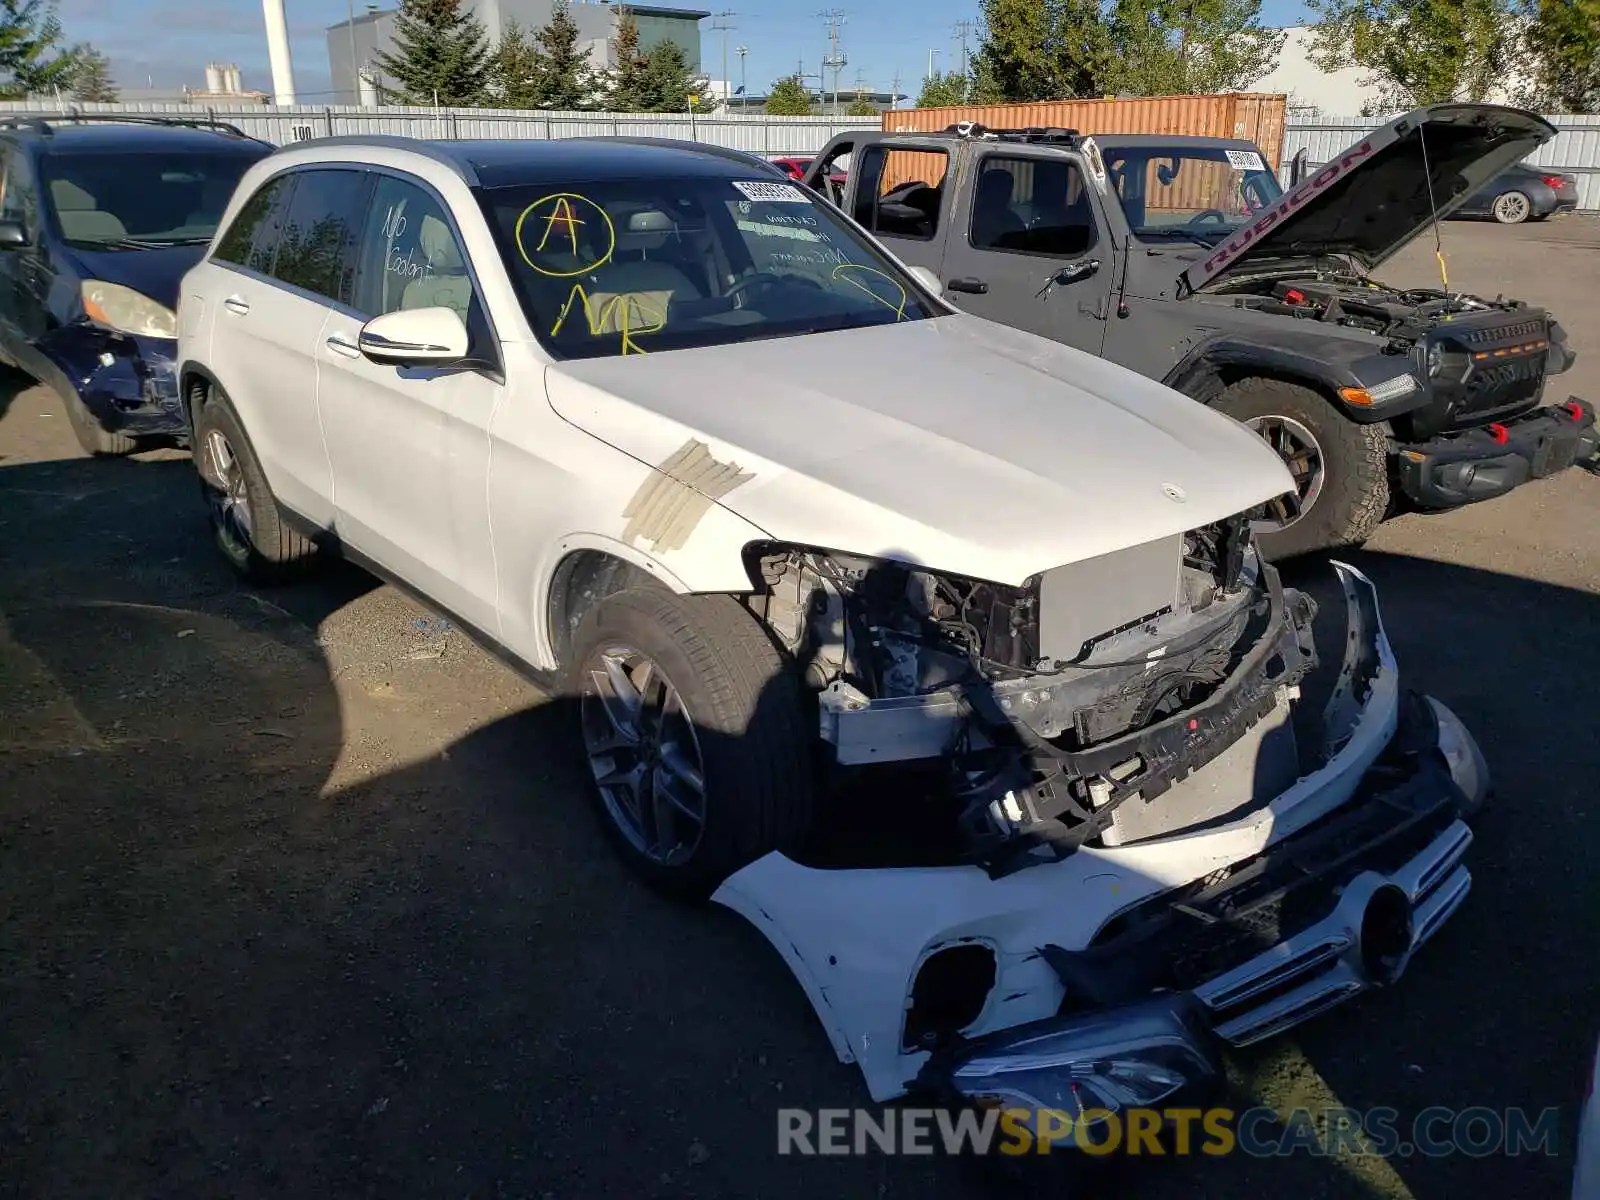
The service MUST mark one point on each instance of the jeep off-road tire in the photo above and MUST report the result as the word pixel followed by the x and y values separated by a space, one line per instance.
pixel 1352 494
pixel 94 439
pixel 712 700
pixel 249 529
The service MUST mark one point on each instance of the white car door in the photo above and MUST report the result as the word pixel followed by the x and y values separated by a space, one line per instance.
pixel 410 445
pixel 264 331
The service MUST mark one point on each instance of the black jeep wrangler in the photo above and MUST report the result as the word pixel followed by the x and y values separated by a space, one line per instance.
pixel 1182 258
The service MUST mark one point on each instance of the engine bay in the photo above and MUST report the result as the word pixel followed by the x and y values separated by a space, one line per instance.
pixel 1035 728
pixel 1407 314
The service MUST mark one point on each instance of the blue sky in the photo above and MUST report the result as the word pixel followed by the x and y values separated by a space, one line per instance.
pixel 170 41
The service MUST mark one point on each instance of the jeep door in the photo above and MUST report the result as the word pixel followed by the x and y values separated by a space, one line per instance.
pixel 1029 247
pixel 899 191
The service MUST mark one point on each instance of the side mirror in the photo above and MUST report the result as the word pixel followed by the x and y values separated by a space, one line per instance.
pixel 928 279
pixel 1298 164
pixel 415 337
pixel 12 235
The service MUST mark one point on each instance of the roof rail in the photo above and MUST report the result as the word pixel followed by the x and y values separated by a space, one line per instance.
pixel 1032 133
pixel 43 122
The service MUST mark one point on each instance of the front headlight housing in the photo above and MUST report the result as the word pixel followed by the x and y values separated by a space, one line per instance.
pixel 1135 1057
pixel 127 311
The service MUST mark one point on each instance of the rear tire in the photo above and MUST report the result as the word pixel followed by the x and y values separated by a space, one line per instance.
pixel 1347 484
pixel 695 730
pixel 249 529
pixel 1511 208
pixel 94 439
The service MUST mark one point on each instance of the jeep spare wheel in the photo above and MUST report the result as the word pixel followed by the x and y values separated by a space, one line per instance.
pixel 1341 480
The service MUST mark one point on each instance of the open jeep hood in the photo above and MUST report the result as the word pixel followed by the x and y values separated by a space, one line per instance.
pixel 1373 198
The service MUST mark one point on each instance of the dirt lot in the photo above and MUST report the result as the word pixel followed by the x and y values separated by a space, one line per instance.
pixel 299 893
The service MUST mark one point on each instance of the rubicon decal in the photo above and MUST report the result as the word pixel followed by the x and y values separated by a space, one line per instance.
pixel 1288 203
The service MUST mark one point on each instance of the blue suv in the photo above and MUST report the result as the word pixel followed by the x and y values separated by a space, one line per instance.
pixel 100 217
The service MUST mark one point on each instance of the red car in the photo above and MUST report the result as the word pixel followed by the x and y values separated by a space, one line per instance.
pixel 795 165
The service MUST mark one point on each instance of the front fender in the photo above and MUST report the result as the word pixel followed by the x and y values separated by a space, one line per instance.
pixel 1325 363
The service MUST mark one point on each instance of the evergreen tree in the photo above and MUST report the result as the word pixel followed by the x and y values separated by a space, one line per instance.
pixel 861 107
pixel 1562 55
pixel 440 52
pixel 31 60
pixel 944 88
pixel 513 72
pixel 624 88
pixel 565 80
pixel 92 80
pixel 667 81
pixel 1416 51
pixel 789 98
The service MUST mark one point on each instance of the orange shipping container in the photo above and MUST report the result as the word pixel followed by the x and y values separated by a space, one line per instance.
pixel 1254 116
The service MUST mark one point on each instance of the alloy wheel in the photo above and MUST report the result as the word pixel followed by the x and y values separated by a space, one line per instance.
pixel 227 493
pixel 1302 454
pixel 644 754
pixel 1511 208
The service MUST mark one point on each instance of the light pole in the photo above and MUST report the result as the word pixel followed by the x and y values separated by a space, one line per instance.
pixel 355 71
pixel 931 53
pixel 744 96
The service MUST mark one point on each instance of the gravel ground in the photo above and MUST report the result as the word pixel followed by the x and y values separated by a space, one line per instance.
pixel 299 893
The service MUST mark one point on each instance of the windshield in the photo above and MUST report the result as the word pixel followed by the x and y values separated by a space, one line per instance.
pixel 129 200
pixel 1201 195
pixel 639 266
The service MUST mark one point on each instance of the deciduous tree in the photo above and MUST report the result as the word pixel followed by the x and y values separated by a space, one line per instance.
pixel 1416 51
pixel 944 88
pixel 789 98
pixel 1561 55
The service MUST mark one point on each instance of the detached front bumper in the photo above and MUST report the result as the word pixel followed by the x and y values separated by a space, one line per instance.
pixel 128 383
pixel 1251 925
pixel 1480 464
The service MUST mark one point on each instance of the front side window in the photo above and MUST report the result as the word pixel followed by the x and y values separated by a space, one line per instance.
pixel 899 192
pixel 125 201
pixel 637 266
pixel 1199 194
pixel 19 195
pixel 407 255
pixel 318 227
pixel 1031 206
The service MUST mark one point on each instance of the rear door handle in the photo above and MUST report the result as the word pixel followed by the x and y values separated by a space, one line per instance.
pixel 340 344
pixel 236 304
pixel 976 286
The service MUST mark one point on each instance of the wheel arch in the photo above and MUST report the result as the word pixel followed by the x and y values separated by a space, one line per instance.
pixel 1212 367
pixel 586 571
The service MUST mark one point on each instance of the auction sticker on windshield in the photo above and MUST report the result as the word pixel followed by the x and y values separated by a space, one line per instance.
pixel 775 193
pixel 1245 160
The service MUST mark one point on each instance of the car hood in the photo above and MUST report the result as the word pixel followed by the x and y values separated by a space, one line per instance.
pixel 1372 198
pixel 952 442
pixel 154 272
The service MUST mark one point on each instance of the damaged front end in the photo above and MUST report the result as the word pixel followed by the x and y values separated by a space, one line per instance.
pixel 1206 821
pixel 127 381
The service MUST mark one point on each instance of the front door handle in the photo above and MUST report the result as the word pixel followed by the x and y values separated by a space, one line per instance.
pixel 340 344
pixel 976 286
pixel 236 304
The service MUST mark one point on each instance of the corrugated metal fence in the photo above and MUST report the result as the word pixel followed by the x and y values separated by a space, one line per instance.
pixel 1575 150
pixel 759 134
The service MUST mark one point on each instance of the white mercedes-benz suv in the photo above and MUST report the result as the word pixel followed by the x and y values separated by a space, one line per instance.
pixel 937 649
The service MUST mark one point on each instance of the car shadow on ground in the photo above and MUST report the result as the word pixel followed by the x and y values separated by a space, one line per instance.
pixel 220 974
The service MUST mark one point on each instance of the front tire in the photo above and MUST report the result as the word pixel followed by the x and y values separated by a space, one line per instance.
pixel 249 529
pixel 1511 208
pixel 1340 468
pixel 695 730
pixel 95 440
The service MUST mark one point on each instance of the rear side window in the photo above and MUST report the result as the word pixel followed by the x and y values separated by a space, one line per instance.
pixel 318 229
pixel 899 192
pixel 252 239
